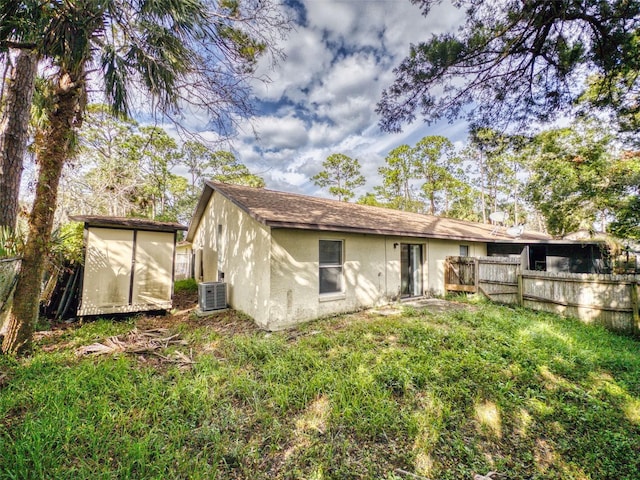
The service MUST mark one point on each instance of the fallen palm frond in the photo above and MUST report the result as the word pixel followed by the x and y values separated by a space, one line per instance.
pixel 136 342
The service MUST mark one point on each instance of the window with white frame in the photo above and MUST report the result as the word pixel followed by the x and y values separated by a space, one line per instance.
pixel 330 261
pixel 464 250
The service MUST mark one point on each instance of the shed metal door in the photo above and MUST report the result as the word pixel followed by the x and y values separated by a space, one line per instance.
pixel 127 271
pixel 107 271
pixel 153 269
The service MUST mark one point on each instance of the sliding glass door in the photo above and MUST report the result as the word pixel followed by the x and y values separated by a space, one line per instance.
pixel 411 270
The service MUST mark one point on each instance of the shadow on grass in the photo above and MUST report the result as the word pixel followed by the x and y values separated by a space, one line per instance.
pixel 441 395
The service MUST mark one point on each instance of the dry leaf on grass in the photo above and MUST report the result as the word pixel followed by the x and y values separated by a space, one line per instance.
pixel 488 476
pixel 136 342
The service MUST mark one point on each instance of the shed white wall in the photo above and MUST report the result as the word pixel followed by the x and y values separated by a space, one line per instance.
pixel 240 250
pixel 437 251
pixel 126 271
pixel 184 261
pixel 153 269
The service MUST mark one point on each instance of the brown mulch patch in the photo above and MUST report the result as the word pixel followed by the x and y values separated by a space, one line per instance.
pixel 185 300
pixel 160 327
pixel 153 332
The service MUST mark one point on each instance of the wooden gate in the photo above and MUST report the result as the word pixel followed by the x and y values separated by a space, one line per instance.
pixel 494 277
pixel 498 278
pixel 460 274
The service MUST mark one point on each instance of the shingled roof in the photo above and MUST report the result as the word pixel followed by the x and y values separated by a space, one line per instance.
pixel 289 210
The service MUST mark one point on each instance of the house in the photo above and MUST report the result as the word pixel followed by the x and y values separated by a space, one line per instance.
pixel 129 265
pixel 288 258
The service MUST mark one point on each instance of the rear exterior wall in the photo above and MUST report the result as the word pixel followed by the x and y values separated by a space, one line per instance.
pixel 371 275
pixel 231 246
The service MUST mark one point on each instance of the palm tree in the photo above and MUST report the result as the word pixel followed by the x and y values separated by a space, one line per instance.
pixel 191 52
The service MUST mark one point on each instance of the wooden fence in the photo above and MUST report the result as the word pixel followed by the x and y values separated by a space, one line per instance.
pixel 183 266
pixel 8 276
pixel 609 300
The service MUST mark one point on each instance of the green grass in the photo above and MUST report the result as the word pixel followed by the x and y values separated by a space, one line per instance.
pixel 186 285
pixel 529 395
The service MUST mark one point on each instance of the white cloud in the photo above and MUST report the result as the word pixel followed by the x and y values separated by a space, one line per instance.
pixel 290 178
pixel 353 75
pixel 307 57
pixel 276 132
pixel 323 134
pixel 323 96
pixel 354 113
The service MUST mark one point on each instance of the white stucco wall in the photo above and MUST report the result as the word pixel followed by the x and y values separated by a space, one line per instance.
pixel 371 273
pixel 295 293
pixel 241 250
pixel 437 250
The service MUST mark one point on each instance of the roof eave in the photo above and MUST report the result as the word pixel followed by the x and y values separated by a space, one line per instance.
pixel 392 233
pixel 127 224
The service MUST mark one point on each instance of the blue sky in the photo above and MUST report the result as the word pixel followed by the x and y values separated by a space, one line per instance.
pixel 322 96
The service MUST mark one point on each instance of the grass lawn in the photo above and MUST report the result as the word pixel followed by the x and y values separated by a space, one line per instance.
pixel 442 396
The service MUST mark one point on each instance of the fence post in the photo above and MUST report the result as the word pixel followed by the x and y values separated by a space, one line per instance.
pixel 476 274
pixel 520 287
pixel 635 307
pixel 447 263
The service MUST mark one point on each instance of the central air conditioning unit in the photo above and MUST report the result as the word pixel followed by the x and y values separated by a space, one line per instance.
pixel 212 296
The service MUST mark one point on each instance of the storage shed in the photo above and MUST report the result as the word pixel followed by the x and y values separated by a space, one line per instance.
pixel 129 265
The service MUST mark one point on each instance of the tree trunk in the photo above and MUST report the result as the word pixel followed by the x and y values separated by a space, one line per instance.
pixel 482 188
pixel 54 146
pixel 14 126
pixel 516 211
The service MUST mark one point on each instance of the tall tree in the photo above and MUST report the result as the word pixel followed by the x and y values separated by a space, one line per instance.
pixel 14 123
pixel 341 174
pixel 370 199
pixel 611 98
pixel 203 163
pixel 520 61
pixel 627 221
pixel 492 158
pixel 192 52
pixel 436 165
pixel 195 159
pixel 464 205
pixel 109 175
pixel 572 182
pixel 626 187
pixel 397 190
pixel 220 165
pixel 126 170
pixel 129 170
pixel 223 166
pixel 158 154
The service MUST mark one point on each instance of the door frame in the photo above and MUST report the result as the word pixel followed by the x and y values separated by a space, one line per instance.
pixel 413 271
